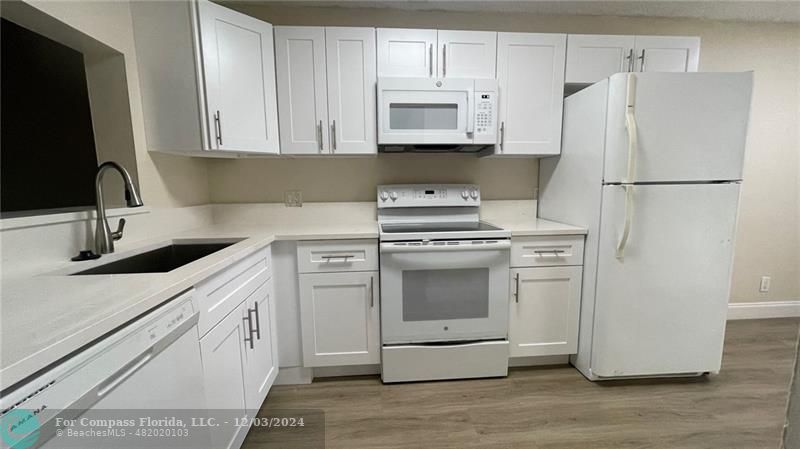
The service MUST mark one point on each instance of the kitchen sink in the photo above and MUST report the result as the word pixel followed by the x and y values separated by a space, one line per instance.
pixel 159 260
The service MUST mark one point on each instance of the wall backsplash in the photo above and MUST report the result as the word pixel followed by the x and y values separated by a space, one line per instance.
pixel 355 179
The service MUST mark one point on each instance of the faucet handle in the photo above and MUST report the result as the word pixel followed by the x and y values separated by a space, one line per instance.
pixel 116 235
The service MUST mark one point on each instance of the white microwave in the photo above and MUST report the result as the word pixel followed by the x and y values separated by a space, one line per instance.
pixel 428 114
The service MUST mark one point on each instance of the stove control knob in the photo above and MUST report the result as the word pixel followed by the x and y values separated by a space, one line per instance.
pixel 474 194
pixel 393 196
pixel 384 195
pixel 464 194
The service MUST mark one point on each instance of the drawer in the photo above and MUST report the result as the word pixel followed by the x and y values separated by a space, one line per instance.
pixel 547 251
pixel 320 256
pixel 218 295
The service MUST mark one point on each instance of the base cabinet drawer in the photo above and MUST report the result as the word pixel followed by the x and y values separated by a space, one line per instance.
pixel 547 251
pixel 544 311
pixel 327 256
pixel 340 318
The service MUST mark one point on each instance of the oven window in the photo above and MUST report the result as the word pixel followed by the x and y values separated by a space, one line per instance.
pixel 423 116
pixel 445 294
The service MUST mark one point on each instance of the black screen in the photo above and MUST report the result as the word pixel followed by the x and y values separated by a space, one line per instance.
pixel 47 142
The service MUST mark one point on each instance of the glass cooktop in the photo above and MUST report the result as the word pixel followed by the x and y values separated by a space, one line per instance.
pixel 397 228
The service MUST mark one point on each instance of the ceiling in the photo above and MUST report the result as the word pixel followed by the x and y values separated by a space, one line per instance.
pixel 750 11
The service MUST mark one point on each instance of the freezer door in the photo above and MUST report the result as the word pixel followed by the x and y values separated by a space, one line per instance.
pixel 690 126
pixel 661 308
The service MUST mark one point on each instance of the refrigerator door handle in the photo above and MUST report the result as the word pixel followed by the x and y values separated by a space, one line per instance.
pixel 626 228
pixel 630 124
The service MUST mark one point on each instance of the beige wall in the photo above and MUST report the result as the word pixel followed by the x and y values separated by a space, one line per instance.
pixel 165 181
pixel 768 236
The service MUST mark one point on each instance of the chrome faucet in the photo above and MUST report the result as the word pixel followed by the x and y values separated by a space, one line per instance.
pixel 103 237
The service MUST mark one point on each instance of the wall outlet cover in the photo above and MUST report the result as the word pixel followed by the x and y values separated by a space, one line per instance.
pixel 293 198
pixel 763 287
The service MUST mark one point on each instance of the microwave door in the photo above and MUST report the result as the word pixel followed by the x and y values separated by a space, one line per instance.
pixel 425 117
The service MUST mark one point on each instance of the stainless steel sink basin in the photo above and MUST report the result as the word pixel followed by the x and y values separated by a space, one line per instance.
pixel 159 260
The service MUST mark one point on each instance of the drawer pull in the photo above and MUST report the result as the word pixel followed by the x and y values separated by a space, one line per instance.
pixel 549 253
pixel 344 257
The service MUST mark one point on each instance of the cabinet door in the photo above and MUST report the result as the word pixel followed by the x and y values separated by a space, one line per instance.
pixel 302 90
pixel 530 75
pixel 260 349
pixel 407 53
pixel 351 90
pixel 544 311
pixel 222 351
pixel 467 54
pixel 667 54
pixel 339 314
pixel 592 57
pixel 239 69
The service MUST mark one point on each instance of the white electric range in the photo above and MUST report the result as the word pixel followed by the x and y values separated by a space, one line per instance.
pixel 444 284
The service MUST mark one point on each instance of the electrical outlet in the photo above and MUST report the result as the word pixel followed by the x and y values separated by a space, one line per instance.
pixel 763 287
pixel 293 198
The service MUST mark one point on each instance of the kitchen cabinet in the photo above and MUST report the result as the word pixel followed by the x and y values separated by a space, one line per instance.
pixel 222 351
pixel 207 79
pixel 326 90
pixel 431 53
pixel 544 310
pixel 530 77
pixel 340 318
pixel 261 348
pixel 591 58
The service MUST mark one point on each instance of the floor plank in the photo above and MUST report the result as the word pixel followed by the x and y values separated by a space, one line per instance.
pixel 555 407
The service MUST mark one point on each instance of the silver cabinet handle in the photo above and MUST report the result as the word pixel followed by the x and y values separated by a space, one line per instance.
pixel 444 60
pixel 333 135
pixel 502 135
pixel 630 60
pixel 516 287
pixel 258 320
pixel 641 58
pixel 430 57
pixel 319 136
pixel 344 256
pixel 218 127
pixel 248 338
pixel 371 292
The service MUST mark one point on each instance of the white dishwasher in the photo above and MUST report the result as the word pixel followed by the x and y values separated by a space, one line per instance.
pixel 153 363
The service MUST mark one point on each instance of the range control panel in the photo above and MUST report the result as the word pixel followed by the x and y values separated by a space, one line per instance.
pixel 428 195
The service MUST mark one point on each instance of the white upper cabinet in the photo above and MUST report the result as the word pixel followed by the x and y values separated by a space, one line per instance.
pixel 431 53
pixel 351 90
pixel 530 76
pixel 406 52
pixel 667 54
pixel 591 58
pixel 302 92
pixel 207 79
pixel 467 54
pixel 326 90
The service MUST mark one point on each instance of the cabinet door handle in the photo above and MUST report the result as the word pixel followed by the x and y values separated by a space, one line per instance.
pixel 319 136
pixel 444 60
pixel 502 135
pixel 371 292
pixel 218 127
pixel 343 256
pixel 516 287
pixel 248 338
pixel 258 320
pixel 333 135
pixel 641 58
pixel 630 60
pixel 430 57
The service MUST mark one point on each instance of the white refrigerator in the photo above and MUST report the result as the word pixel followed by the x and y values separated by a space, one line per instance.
pixel 651 165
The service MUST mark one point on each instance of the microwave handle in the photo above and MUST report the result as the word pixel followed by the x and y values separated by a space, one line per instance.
pixel 470 112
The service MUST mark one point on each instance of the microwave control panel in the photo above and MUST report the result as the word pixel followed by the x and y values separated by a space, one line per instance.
pixel 485 117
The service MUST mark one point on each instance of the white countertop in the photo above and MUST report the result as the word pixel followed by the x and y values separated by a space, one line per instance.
pixel 47 316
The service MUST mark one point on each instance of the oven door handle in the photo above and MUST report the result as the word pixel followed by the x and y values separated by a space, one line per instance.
pixel 431 248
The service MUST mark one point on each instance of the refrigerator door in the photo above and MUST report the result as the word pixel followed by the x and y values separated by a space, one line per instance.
pixel 661 309
pixel 690 126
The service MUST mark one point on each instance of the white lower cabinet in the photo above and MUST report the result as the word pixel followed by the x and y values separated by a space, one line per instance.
pixel 260 346
pixel 544 310
pixel 340 318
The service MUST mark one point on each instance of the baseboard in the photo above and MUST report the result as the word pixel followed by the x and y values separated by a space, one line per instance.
pixel 768 309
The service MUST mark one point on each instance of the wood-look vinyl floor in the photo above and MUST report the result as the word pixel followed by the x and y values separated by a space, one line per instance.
pixel 555 407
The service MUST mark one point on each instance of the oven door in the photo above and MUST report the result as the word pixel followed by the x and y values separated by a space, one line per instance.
pixel 417 112
pixel 444 291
